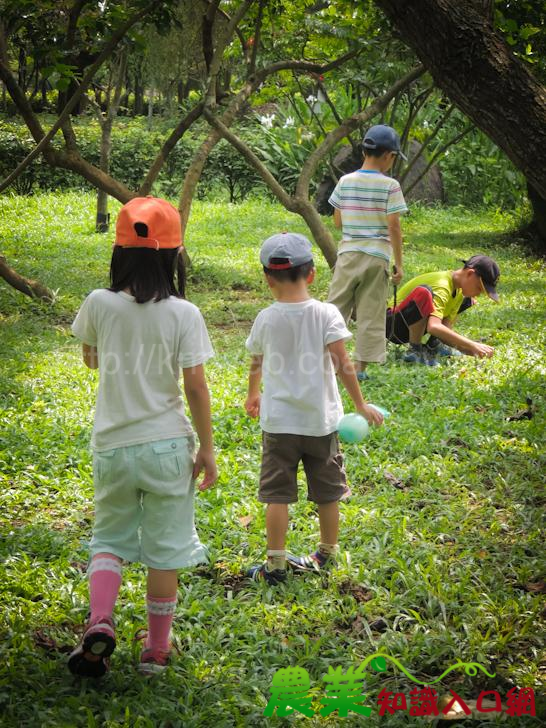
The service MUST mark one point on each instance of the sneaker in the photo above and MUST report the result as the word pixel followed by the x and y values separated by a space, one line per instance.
pixel 90 658
pixel 442 349
pixel 313 563
pixel 362 376
pixel 153 661
pixel 414 354
pixel 429 358
pixel 260 573
pixel 418 354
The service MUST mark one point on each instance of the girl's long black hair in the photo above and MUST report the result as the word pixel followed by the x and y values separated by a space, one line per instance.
pixel 148 273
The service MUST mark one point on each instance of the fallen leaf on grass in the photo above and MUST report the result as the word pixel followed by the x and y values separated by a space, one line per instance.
pixel 379 625
pixel 46 642
pixel 524 414
pixel 80 566
pixel 457 441
pixel 357 625
pixel 234 583
pixel 245 521
pixel 360 593
pixel 393 480
pixel 535 587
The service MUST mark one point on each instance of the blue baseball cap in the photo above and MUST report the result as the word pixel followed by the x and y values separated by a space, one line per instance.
pixel 293 248
pixel 384 136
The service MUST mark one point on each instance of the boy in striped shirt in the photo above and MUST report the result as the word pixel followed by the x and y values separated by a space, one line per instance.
pixel 367 206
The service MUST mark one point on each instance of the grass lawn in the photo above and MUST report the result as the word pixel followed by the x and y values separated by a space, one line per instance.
pixel 442 554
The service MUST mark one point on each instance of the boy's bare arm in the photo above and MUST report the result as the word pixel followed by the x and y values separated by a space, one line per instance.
pixel 197 394
pixel 445 333
pixel 346 372
pixel 337 217
pixel 252 404
pixel 395 236
pixel 90 356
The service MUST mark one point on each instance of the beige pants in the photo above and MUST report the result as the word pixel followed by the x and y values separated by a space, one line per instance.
pixel 361 282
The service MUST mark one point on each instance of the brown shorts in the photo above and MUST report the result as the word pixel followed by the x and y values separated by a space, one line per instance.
pixel 322 462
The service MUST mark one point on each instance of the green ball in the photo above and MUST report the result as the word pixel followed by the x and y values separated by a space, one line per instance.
pixel 352 427
pixel 382 410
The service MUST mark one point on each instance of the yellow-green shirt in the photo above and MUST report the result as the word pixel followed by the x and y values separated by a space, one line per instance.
pixel 445 297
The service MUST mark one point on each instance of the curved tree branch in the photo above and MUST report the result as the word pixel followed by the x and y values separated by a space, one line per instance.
pixel 252 159
pixel 216 62
pixel 256 38
pixel 176 134
pixel 29 287
pixel 426 143
pixel 438 153
pixel 228 18
pixel 105 53
pixel 351 123
pixel 300 205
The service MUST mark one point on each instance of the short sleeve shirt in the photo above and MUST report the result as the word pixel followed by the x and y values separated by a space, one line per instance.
pixel 365 199
pixel 300 393
pixel 446 299
pixel 141 349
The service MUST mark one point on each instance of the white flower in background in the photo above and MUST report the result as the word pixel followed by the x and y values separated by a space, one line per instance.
pixel 267 120
pixel 288 122
pixel 311 99
pixel 425 124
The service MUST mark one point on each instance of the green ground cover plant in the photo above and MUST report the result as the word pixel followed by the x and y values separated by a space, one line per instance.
pixel 442 553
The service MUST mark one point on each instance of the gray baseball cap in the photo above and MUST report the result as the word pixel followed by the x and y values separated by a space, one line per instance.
pixel 384 136
pixel 293 248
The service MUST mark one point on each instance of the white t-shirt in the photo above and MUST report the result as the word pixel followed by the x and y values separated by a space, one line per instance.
pixel 300 394
pixel 141 349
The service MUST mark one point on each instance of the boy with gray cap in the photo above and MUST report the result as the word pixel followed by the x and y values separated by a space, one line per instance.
pixel 367 206
pixel 297 346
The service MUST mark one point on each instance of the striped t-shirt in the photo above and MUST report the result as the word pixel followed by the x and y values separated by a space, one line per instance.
pixel 365 198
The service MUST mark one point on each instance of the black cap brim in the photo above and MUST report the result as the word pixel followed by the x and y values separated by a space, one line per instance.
pixel 491 292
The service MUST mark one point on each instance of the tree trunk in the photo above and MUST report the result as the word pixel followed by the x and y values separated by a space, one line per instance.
pixel 150 109
pixel 478 71
pixel 31 288
pixel 106 123
pixel 538 204
pixel 103 218
pixel 192 177
pixel 321 235
pixel 181 92
pixel 139 97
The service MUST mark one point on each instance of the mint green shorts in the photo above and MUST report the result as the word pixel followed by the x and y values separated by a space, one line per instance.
pixel 144 504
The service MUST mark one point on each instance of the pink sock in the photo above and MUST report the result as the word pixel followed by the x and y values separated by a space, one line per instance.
pixel 104 582
pixel 160 618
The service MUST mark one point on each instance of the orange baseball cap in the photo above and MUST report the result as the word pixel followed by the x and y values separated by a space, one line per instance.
pixel 148 222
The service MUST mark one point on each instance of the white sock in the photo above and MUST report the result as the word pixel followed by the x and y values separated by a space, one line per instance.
pixel 276 559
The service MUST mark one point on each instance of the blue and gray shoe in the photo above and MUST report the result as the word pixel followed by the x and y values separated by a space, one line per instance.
pixel 260 573
pixel 438 348
pixel 418 354
pixel 313 563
